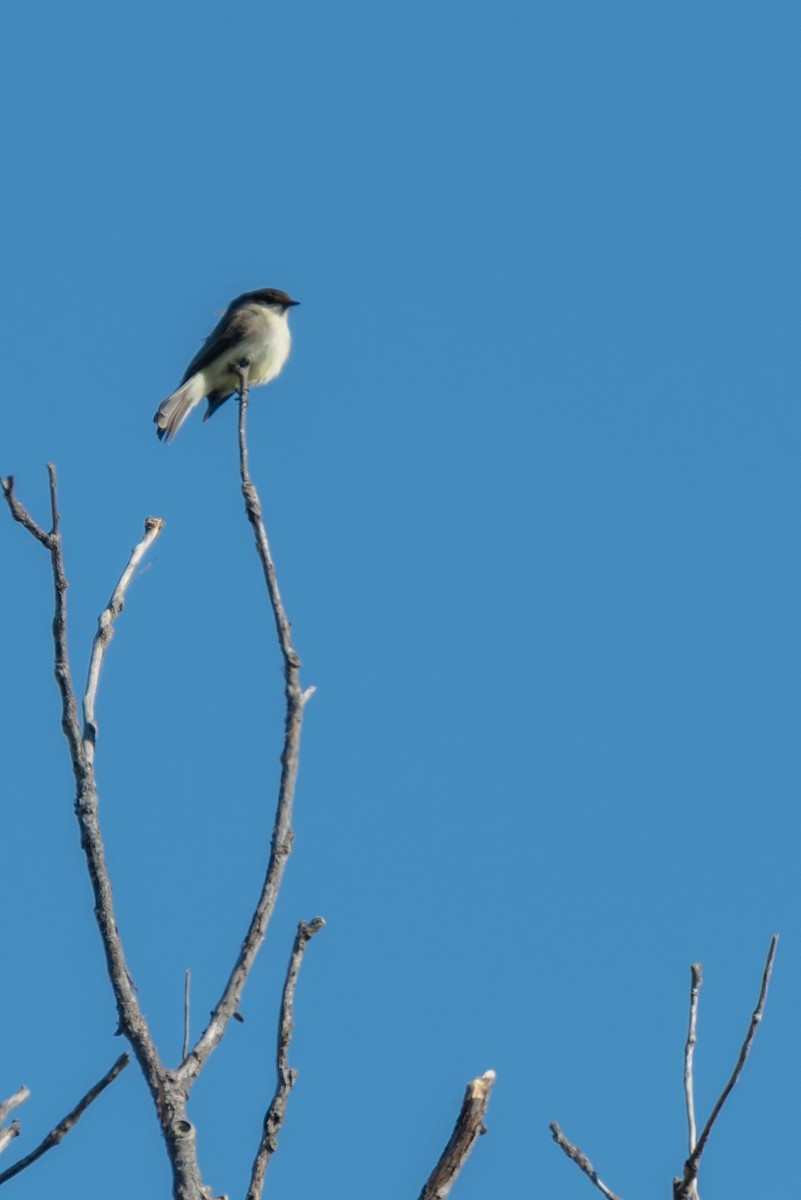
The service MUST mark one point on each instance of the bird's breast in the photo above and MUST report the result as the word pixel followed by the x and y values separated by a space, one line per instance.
pixel 268 350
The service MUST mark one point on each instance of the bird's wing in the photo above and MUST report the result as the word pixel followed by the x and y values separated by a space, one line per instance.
pixel 225 335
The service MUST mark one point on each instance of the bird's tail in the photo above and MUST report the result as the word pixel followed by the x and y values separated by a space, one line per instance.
pixel 176 408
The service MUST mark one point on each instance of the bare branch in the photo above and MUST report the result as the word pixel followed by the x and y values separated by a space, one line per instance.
pixel 11 1131
pixel 696 980
pixel 285 1075
pixel 254 514
pixel 169 1089
pixel 469 1126
pixel 64 1126
pixel 282 836
pixel 581 1161
pixel 52 543
pixel 8 1134
pixel 105 631
pixel 132 1023
pixel 683 1188
pixel 21 514
pixel 8 1106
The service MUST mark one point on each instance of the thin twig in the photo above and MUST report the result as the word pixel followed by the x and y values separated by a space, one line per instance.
pixel 11 1131
pixel 696 980
pixel 105 631
pixel 21 514
pixel 581 1161
pixel 64 1126
pixel 8 1106
pixel 8 1134
pixel 683 1188
pixel 254 513
pixel 282 836
pixel 285 1075
pixel 469 1126
pixel 187 981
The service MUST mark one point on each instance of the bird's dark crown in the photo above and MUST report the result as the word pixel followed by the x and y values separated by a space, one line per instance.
pixel 265 296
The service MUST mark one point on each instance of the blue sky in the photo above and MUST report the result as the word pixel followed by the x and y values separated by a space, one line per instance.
pixel 532 481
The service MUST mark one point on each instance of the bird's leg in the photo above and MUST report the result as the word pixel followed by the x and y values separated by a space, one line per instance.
pixel 240 368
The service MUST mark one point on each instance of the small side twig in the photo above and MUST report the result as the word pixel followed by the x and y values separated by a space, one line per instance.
pixel 683 1188
pixel 696 980
pixel 20 513
pixel 285 1075
pixel 581 1161
pixel 8 1134
pixel 187 983
pixel 469 1126
pixel 8 1106
pixel 64 1126
pixel 105 631
pixel 11 1131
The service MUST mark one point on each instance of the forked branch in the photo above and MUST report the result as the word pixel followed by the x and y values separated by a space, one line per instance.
pixel 685 1187
pixel 131 1020
pixel 170 1089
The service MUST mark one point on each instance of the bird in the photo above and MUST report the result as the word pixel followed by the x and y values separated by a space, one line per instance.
pixel 253 330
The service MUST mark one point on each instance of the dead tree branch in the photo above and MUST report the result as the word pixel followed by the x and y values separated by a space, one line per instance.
pixel 169 1099
pixel 683 1189
pixel 11 1131
pixel 285 1075
pixel 169 1088
pixel 282 837
pixel 65 1125
pixel 581 1161
pixel 469 1126
pixel 686 1188
pixel 696 980
pixel 105 631
pixel 132 1023
pixel 19 513
pixel 8 1134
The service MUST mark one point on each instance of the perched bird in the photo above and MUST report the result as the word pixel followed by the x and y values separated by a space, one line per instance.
pixel 253 329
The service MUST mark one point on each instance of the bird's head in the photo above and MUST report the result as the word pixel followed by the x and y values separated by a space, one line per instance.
pixel 272 297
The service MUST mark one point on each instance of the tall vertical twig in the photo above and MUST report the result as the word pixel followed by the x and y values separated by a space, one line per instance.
pixel 696 980
pixel 281 844
pixel 187 985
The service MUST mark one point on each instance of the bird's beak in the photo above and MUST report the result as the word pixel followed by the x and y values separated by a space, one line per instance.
pixel 292 303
